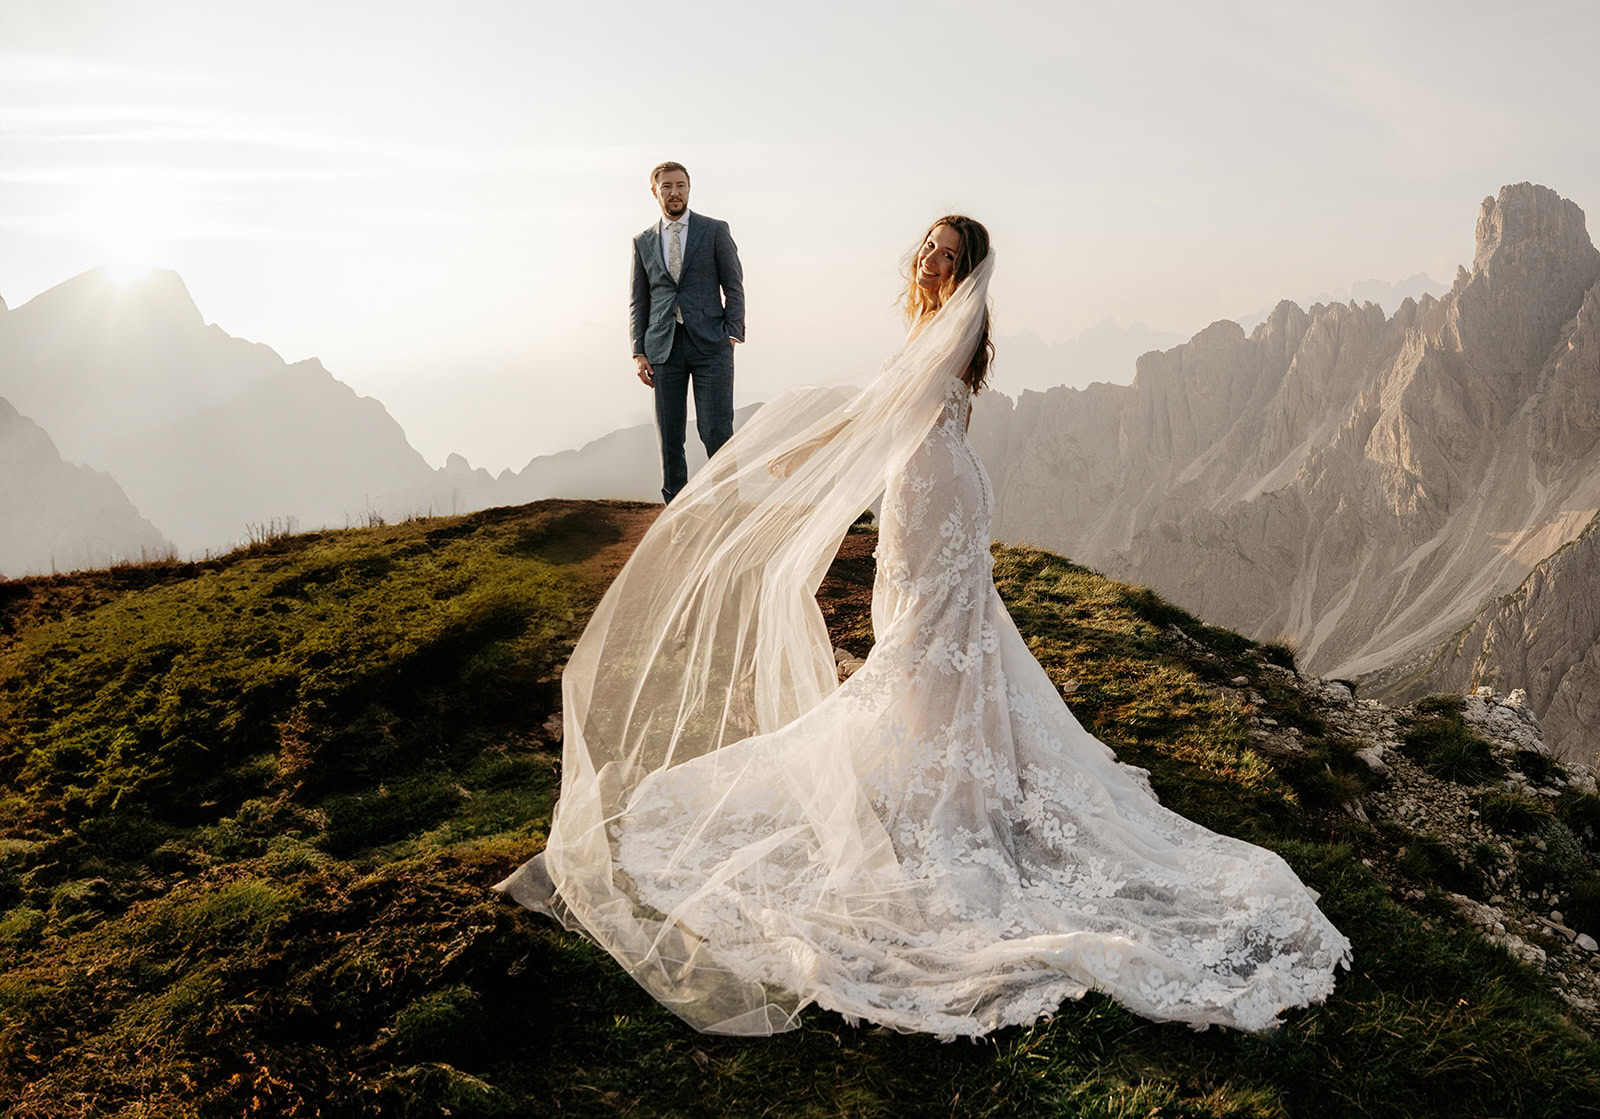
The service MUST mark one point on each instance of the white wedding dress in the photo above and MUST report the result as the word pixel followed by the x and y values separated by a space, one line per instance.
pixel 935 845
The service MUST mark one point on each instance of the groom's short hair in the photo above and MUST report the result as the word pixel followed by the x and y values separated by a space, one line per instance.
pixel 670 165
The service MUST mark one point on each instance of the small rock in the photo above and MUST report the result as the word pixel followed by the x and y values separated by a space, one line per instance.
pixel 1070 687
pixel 1239 681
pixel 1541 844
pixel 1373 756
pixel 1555 915
pixel 1268 722
pixel 1562 931
pixel 1587 943
pixel 552 727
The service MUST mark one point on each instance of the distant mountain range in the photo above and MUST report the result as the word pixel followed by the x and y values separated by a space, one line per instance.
pixel 1384 294
pixel 1104 352
pixel 1368 485
pixel 59 516
pixel 206 433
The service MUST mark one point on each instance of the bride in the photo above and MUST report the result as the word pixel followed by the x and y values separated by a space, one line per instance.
pixel 934 845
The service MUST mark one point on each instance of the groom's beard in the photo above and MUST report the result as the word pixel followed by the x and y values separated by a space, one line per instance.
pixel 675 210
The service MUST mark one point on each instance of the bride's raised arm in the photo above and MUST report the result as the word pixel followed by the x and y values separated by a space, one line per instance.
pixel 789 461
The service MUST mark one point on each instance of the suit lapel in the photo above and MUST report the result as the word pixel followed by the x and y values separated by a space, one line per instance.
pixel 698 228
pixel 650 249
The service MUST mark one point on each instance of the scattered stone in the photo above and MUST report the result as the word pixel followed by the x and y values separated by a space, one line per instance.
pixel 1070 687
pixel 1444 813
pixel 1566 934
pixel 553 727
pixel 1240 681
pixel 1373 756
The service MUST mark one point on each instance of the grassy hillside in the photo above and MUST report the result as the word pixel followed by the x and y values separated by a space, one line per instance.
pixel 250 811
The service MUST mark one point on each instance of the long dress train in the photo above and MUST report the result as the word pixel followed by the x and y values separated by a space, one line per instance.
pixel 935 845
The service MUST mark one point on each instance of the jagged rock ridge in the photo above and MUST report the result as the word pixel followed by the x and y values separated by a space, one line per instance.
pixel 1355 483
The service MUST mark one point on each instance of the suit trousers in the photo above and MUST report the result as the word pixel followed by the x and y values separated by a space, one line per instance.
pixel 712 376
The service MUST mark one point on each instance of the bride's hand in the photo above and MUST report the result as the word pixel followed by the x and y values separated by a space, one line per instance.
pixel 781 466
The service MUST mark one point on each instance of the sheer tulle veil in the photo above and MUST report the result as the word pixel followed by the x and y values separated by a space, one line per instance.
pixel 710 635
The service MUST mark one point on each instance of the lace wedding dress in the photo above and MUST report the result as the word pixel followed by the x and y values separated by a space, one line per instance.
pixel 935 845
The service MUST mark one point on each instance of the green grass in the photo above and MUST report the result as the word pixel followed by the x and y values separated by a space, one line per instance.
pixel 1512 813
pixel 1581 813
pixel 1437 736
pixel 250 811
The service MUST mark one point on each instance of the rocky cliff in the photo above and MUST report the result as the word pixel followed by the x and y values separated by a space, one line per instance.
pixel 1544 637
pixel 59 516
pixel 1357 483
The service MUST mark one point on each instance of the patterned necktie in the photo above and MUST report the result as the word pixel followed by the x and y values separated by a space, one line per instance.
pixel 675 250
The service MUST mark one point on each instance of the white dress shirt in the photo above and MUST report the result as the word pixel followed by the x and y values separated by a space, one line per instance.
pixel 666 236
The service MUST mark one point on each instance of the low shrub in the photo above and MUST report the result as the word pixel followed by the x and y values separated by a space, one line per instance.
pixel 1581 813
pixel 1431 862
pixel 1538 768
pixel 1511 813
pixel 1559 862
pixel 1443 703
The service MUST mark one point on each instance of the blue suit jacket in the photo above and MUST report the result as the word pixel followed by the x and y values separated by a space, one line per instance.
pixel 709 290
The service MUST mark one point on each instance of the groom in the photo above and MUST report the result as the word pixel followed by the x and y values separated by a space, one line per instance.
pixel 686 316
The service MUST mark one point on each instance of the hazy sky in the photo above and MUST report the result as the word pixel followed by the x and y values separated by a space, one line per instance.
pixel 437 199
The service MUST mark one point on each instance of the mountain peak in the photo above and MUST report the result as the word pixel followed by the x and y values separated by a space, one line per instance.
pixel 159 295
pixel 1526 216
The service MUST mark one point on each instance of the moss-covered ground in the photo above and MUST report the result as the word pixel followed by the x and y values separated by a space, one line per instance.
pixel 250 810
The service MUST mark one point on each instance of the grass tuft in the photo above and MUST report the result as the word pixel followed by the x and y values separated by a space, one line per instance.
pixel 1438 737
pixel 1512 813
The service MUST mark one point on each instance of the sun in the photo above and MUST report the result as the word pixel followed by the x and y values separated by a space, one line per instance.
pixel 125 271
pixel 129 226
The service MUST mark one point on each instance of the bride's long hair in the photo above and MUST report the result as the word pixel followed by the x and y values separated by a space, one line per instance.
pixel 918 303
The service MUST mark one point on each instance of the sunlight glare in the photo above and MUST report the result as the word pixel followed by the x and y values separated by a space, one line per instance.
pixel 128 225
